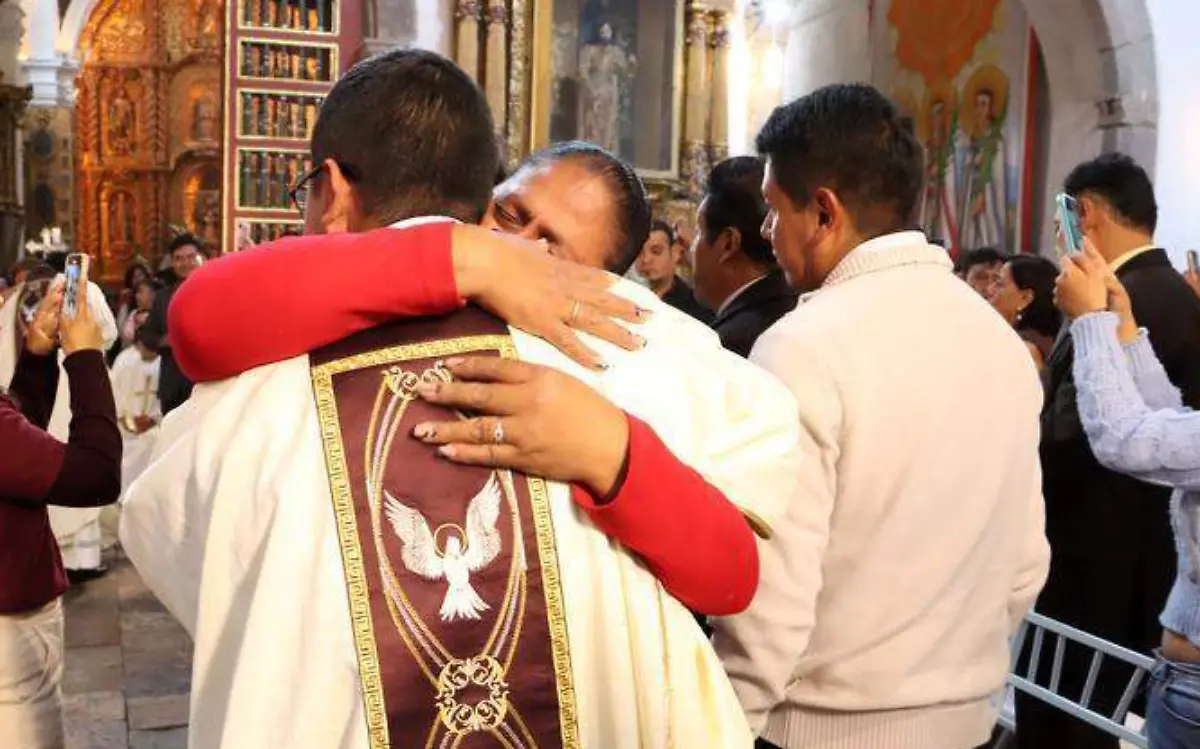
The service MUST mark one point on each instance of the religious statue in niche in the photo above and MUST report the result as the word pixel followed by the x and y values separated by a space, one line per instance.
pixel 613 67
pixel 122 121
pixel 938 127
pixel 984 208
pixel 205 113
pixel 606 71
pixel 121 210
pixel 202 203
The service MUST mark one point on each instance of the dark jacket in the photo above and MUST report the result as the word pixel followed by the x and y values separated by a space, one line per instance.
pixel 754 310
pixel 681 298
pixel 173 387
pixel 1113 553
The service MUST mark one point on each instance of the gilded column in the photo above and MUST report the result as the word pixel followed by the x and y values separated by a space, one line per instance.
pixel 519 80
pixel 718 130
pixel 697 99
pixel 496 64
pixel 466 48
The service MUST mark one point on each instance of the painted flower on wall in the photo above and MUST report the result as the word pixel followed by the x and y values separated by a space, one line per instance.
pixel 935 38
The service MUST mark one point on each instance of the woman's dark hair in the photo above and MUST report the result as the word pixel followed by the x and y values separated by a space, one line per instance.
pixel 145 269
pixel 631 207
pixel 1037 274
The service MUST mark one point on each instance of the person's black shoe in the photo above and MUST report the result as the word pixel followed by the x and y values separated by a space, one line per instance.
pixel 78 577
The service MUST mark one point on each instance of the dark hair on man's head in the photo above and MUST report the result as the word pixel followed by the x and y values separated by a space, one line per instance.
pixel 848 138
pixel 1037 274
pixel 631 219
pixel 1120 182
pixel 413 134
pixel 660 225
pixel 183 240
pixel 979 256
pixel 733 200
pixel 38 270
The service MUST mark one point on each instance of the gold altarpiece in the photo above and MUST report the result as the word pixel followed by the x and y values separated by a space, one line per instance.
pixel 148 128
pixel 512 47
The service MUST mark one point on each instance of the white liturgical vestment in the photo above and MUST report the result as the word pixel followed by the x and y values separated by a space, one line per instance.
pixel 135 392
pixel 232 526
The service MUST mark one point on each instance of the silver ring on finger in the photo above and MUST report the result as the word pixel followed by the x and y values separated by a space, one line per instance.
pixel 498 433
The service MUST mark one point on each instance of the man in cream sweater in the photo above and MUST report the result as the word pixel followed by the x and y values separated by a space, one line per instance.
pixel 917 543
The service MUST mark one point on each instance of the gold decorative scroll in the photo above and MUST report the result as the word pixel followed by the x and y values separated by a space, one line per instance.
pixel 718 131
pixel 496 60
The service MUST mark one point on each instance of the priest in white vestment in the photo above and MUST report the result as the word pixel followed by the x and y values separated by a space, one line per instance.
pixel 135 390
pixel 77 529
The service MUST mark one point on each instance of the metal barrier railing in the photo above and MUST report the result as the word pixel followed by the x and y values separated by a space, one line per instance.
pixel 1110 722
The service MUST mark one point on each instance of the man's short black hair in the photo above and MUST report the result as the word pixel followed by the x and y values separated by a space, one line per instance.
pixel 851 139
pixel 660 225
pixel 733 200
pixel 631 222
pixel 182 240
pixel 413 134
pixel 1122 183
pixel 979 256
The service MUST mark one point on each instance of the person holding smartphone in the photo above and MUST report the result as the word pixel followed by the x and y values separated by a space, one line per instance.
pixel 38 471
pixel 1137 424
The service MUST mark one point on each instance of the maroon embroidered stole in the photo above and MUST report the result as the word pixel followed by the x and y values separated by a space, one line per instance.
pixel 451 571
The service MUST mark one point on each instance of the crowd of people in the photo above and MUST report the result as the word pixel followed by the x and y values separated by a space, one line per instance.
pixel 460 476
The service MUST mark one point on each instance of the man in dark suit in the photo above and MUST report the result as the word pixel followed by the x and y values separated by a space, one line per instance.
pixel 1113 554
pixel 173 387
pixel 733 266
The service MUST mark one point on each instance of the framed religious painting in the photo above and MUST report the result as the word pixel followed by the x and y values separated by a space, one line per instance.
pixel 610 72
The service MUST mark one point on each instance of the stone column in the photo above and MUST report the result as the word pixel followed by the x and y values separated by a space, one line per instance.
pixel 718 130
pixel 496 61
pixel 12 105
pixel 697 99
pixel 466 49
pixel 42 63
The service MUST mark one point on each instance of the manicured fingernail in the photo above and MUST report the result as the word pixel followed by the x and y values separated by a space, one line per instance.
pixel 603 366
pixel 643 313
pixel 446 451
pixel 424 431
pixel 640 341
pixel 455 361
pixel 426 389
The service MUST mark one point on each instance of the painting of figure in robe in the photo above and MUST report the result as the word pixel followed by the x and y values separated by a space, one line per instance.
pixel 614 66
pixel 984 198
pixel 938 126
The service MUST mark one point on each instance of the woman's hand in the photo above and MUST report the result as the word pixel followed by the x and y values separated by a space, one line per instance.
pixel 1118 302
pixel 42 335
pixel 1082 286
pixel 524 285
pixel 80 332
pixel 529 418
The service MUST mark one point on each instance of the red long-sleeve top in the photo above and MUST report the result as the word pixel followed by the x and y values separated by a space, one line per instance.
pixel 276 301
pixel 37 470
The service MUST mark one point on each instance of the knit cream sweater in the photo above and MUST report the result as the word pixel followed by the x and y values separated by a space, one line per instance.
pixel 915 542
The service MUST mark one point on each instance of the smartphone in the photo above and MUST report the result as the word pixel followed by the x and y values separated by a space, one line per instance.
pixel 1193 261
pixel 76 273
pixel 1068 223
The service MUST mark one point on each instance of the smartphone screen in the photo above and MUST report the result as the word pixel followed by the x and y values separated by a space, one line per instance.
pixel 76 273
pixel 1068 223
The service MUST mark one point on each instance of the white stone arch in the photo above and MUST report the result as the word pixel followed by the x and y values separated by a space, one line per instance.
pixel 73 23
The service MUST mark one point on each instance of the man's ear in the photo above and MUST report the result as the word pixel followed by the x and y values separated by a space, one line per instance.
pixel 728 244
pixel 341 205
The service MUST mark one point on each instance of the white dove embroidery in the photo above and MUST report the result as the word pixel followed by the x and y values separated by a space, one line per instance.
pixel 422 557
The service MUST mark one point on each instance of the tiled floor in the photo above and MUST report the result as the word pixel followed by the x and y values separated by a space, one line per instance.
pixel 128 666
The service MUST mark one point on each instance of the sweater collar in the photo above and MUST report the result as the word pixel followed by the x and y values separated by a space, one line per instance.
pixel 902 248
